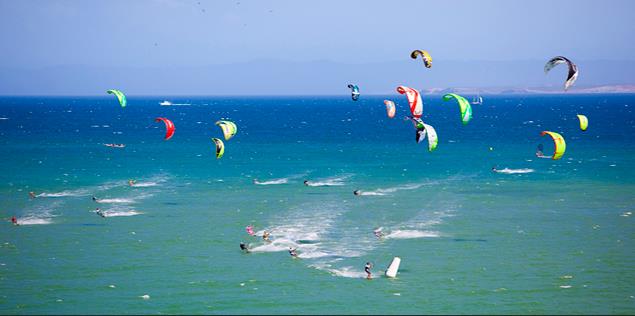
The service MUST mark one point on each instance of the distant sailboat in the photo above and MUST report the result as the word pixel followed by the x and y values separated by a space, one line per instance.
pixel 165 103
pixel 477 100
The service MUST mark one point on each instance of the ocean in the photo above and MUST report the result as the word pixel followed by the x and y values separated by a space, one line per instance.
pixel 541 236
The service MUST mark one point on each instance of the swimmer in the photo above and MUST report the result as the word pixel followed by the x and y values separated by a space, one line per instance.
pixel 243 247
pixel 367 268
pixel 292 252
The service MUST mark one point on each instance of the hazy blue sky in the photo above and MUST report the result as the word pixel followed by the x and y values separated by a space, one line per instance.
pixel 176 34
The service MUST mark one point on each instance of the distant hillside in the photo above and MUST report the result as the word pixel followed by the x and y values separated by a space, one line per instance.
pixel 269 77
pixel 535 90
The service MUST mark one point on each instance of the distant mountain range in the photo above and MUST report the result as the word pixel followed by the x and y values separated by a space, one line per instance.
pixel 271 77
pixel 535 90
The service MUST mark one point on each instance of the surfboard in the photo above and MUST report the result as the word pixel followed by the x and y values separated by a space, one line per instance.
pixel 391 272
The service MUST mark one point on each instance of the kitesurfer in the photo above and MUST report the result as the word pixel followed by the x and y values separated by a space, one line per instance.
pixel 306 182
pixel 265 236
pixel 378 233
pixel 243 247
pixel 32 195
pixel 94 198
pixel 100 212
pixel 367 270
pixel 14 221
pixel 292 252
pixel 131 182
pixel 357 192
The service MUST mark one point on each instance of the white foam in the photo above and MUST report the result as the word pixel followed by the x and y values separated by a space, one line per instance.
pixel 273 181
pixel 410 234
pixel 32 220
pixel 115 200
pixel 145 184
pixel 371 193
pixel 78 192
pixel 515 171
pixel 327 183
pixel 345 272
pixel 333 181
pixel 121 213
pixel 393 189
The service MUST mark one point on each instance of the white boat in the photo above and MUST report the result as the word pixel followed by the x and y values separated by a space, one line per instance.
pixel 477 100
pixel 165 103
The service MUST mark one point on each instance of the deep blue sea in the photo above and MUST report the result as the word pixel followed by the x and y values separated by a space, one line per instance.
pixel 541 236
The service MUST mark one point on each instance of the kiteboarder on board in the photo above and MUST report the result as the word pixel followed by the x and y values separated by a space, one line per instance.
pixel 14 221
pixel 378 233
pixel 292 252
pixel 243 247
pixel 367 268
pixel 100 212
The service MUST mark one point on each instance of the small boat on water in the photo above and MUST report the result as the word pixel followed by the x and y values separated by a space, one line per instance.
pixel 165 103
pixel 477 100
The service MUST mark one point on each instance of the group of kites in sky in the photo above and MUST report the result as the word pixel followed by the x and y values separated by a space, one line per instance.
pixel 423 130
pixel 229 128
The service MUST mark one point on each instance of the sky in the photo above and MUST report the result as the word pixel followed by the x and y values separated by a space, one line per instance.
pixel 51 46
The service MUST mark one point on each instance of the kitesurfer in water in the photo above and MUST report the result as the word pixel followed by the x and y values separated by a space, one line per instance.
pixel 367 270
pixel 378 233
pixel 243 247
pixel 14 221
pixel 292 252
pixel 94 198
pixel 306 182
pixel 100 212
pixel 131 182
pixel 357 192
pixel 32 195
pixel 265 236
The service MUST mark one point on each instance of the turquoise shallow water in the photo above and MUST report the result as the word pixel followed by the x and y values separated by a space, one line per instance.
pixel 556 239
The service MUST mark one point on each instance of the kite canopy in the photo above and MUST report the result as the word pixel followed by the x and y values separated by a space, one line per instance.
pixel 220 147
pixel 559 142
pixel 414 99
pixel 573 69
pixel 584 122
pixel 427 59
pixel 390 108
pixel 466 108
pixel 354 91
pixel 120 96
pixel 169 127
pixel 433 141
pixel 229 128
